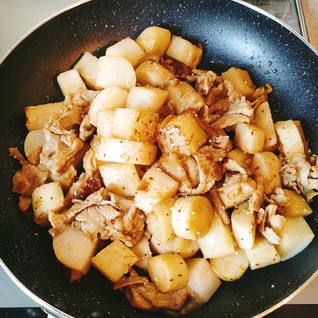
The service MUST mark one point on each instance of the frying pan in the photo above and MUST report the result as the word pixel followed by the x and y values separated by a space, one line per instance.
pixel 233 33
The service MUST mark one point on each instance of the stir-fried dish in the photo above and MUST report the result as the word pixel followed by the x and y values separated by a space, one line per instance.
pixel 165 177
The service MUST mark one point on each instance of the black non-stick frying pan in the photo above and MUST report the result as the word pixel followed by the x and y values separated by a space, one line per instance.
pixel 232 34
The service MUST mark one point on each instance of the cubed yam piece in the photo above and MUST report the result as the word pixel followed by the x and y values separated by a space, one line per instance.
pixel 143 252
pixel 191 217
pixel 241 158
pixel 154 40
pixel 182 96
pixel 168 271
pixel 135 124
pixel 243 222
pixel 153 74
pixel 65 179
pixel 262 254
pixel 241 80
pixel 230 267
pixel 154 187
pixel 296 235
pixel 249 138
pixel 303 137
pixel 120 178
pixel 146 98
pixel 290 139
pixel 263 119
pixel 114 260
pixel 180 134
pixel 218 241
pixel 184 51
pixel 296 206
pixel 109 98
pixel 126 151
pixel 184 247
pixel 115 71
pixel 33 143
pixel 87 67
pixel 105 121
pixel 74 249
pixel 70 82
pixel 128 49
pixel 42 115
pixel 203 281
pixel 159 220
pixel 46 198
pixel 267 165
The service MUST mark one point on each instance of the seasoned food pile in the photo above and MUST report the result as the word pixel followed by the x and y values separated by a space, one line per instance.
pixel 165 177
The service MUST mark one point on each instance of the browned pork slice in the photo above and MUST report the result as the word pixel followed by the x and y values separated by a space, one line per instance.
pixel 142 294
pixel 106 215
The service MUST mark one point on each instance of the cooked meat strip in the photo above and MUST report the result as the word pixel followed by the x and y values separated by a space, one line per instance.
pixel 144 295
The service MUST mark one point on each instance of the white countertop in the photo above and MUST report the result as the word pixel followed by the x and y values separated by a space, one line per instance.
pixel 17 17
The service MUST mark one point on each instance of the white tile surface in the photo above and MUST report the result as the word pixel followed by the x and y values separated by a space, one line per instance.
pixel 16 18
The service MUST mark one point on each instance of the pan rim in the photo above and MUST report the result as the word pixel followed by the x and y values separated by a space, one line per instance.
pixel 48 306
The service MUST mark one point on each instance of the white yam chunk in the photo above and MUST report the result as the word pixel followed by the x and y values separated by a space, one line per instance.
pixel 262 254
pixel 303 137
pixel 267 166
pixel 191 217
pixel 263 119
pixel 297 205
pixel 46 198
pixel 74 249
pixel 242 159
pixel 230 267
pixel 109 98
pixel 184 51
pixel 115 71
pixel 146 98
pixel 290 138
pixel 120 178
pixel 128 49
pixel 184 247
pixel 243 226
pixel 42 115
pixel 153 74
pixel 114 260
pixel 240 79
pixel 126 151
pixel 105 121
pixel 135 124
pixel 203 282
pixel 87 67
pixel 218 241
pixel 154 40
pixel 154 187
pixel 159 220
pixel 70 82
pixel 296 235
pixel 143 252
pixel 65 179
pixel 33 143
pixel 249 138
pixel 168 271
